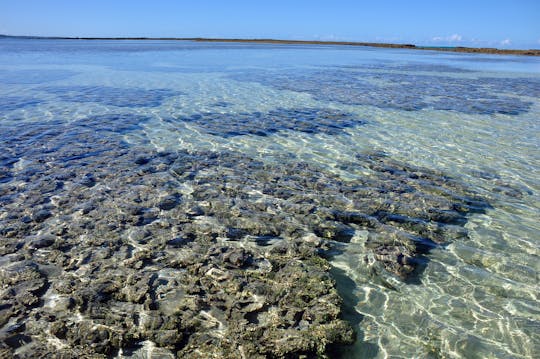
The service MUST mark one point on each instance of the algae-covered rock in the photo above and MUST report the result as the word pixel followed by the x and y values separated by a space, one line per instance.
pixel 197 254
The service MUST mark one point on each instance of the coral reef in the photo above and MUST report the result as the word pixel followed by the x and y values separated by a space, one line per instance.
pixel 407 87
pixel 109 248
pixel 307 120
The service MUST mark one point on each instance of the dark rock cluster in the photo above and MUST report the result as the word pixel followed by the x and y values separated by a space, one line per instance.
pixel 109 248
pixel 398 87
pixel 308 120
pixel 112 96
pixel 10 103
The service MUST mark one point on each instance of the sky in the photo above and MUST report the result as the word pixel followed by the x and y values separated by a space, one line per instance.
pixel 495 23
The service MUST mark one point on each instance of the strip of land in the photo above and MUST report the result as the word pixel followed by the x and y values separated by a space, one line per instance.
pixel 483 50
pixel 480 50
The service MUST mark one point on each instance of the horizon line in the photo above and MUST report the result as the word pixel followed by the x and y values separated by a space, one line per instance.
pixel 484 50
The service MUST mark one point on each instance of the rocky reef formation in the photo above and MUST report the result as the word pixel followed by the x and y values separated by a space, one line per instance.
pixel 307 120
pixel 410 87
pixel 113 249
pixel 112 96
pixel 10 103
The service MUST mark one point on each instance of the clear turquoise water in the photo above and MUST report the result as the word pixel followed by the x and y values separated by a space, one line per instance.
pixel 474 117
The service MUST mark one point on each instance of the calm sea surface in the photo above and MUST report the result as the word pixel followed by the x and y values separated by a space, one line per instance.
pixel 402 138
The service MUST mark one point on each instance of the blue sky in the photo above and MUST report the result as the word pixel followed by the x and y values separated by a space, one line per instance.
pixel 496 23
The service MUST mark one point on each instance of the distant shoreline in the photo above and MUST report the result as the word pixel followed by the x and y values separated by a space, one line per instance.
pixel 479 50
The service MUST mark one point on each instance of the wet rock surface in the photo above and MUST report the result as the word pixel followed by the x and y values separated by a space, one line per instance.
pixel 110 248
pixel 396 87
pixel 308 120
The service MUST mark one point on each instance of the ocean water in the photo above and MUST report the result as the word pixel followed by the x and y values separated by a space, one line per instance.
pixel 437 152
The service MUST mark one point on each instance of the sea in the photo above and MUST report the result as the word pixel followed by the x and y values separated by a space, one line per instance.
pixel 414 175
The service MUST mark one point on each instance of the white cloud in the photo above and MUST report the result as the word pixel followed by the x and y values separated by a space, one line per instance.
pixel 450 38
pixel 506 42
pixel 327 37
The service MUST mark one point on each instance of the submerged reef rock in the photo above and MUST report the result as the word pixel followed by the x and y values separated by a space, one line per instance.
pixel 10 103
pixel 396 87
pixel 113 96
pixel 28 77
pixel 308 120
pixel 109 248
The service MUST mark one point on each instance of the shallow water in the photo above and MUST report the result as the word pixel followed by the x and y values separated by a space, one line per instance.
pixel 468 124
